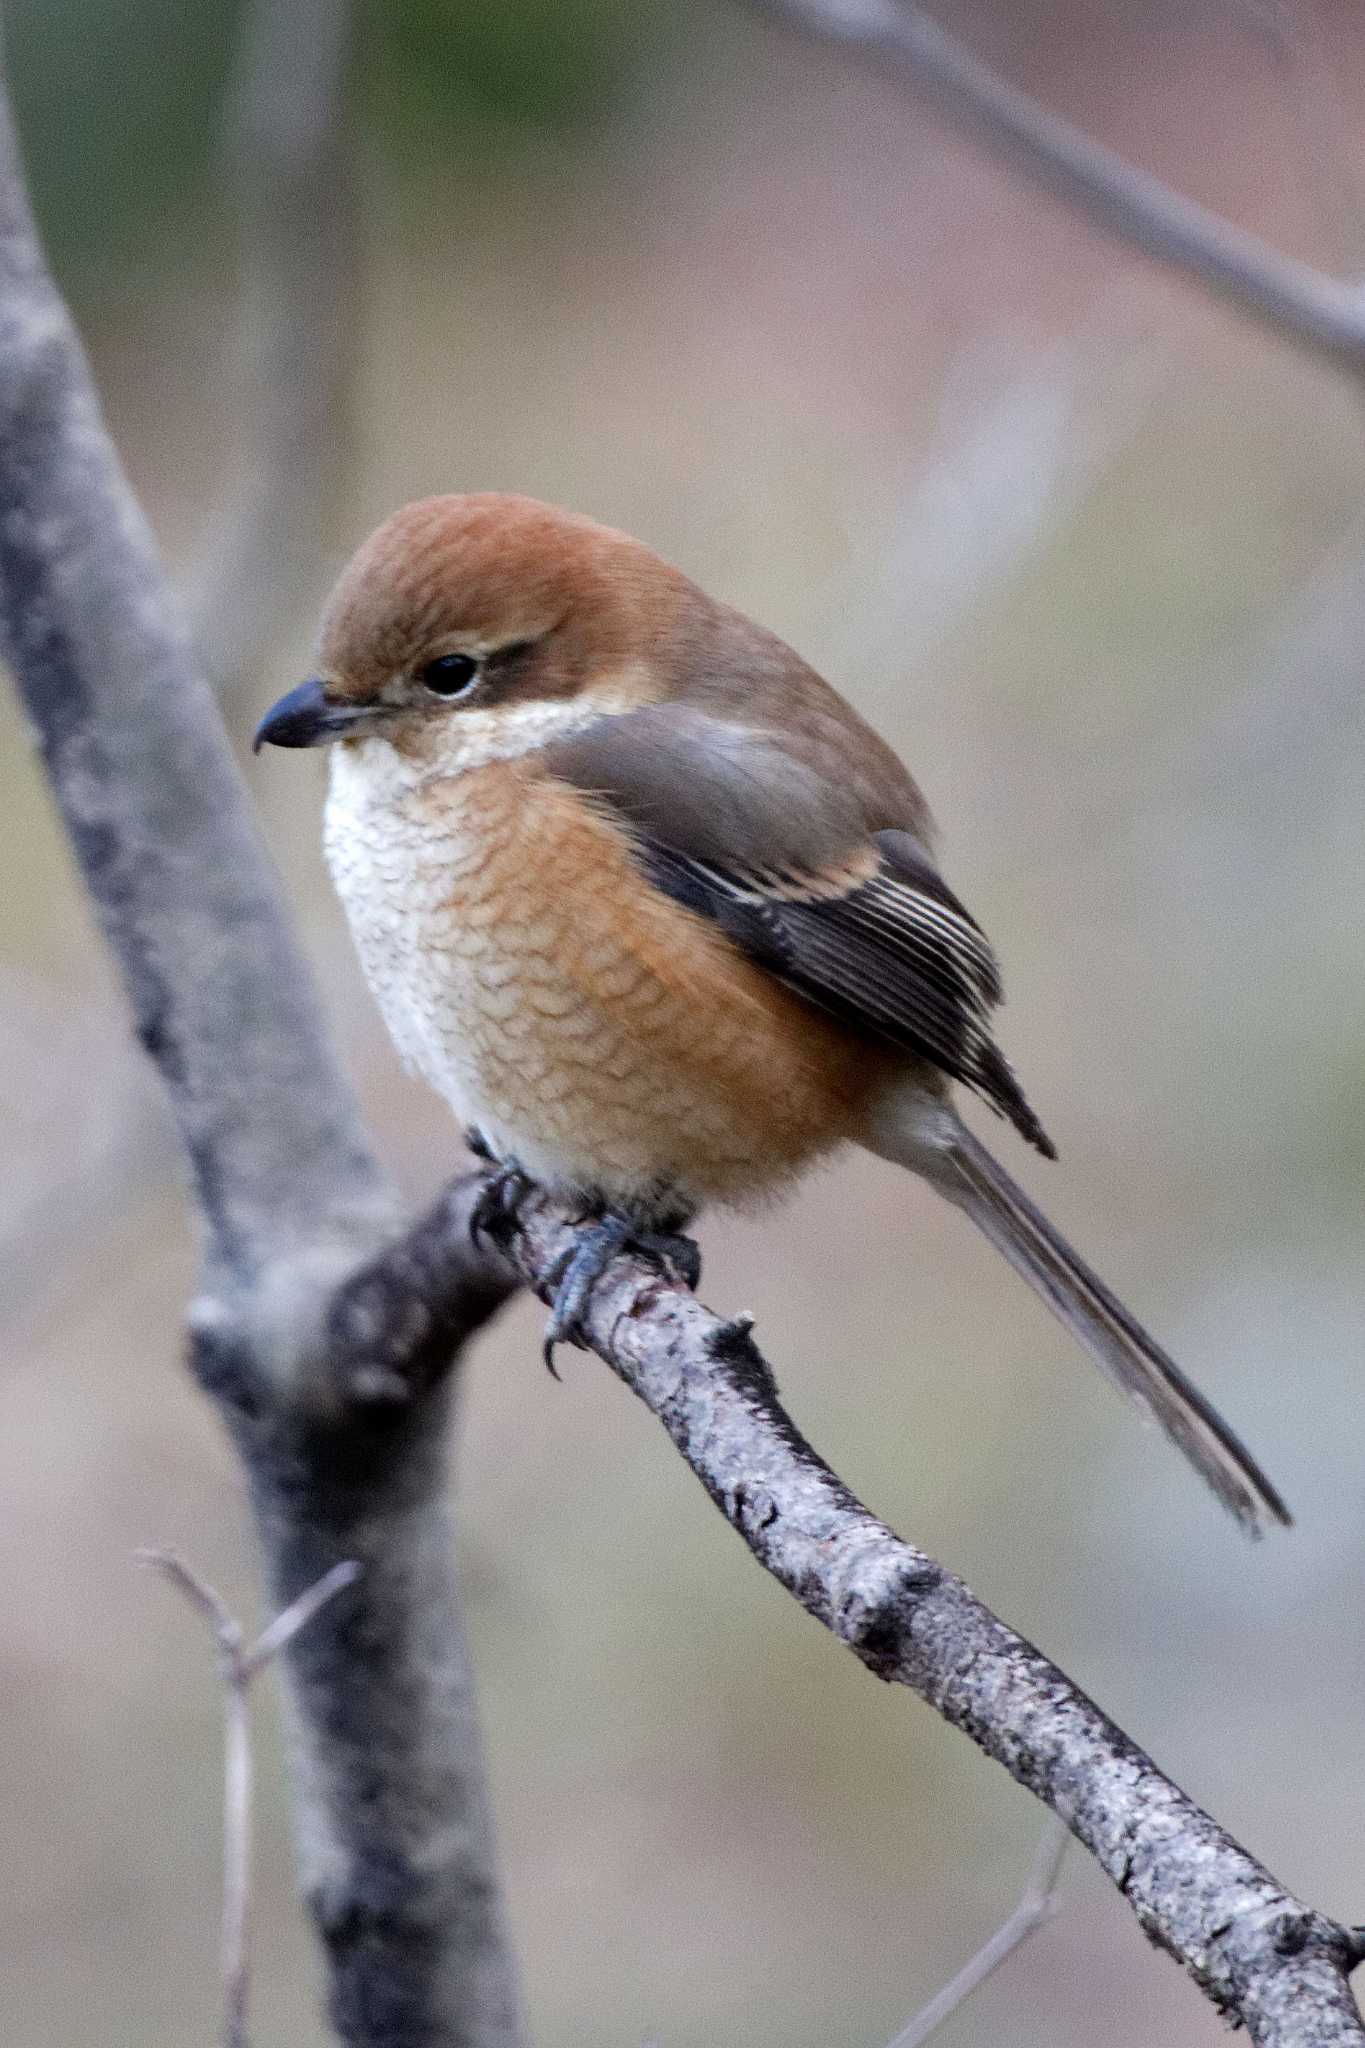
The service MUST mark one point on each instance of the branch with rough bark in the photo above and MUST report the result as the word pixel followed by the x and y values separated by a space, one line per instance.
pixel 1291 298
pixel 1263 1958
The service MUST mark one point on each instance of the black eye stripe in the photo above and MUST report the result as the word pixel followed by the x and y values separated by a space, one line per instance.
pixel 450 675
pixel 504 657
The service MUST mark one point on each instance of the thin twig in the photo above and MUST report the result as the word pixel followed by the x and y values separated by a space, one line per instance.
pixel 1291 297
pixel 297 1615
pixel 238 1665
pixel 1037 1904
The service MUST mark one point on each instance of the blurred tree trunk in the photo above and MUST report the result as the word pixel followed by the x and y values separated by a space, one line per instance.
pixel 393 1823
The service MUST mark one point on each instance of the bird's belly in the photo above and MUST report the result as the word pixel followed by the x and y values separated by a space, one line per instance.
pixel 591 1027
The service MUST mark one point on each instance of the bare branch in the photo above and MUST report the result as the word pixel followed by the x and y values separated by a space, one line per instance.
pixel 237 1667
pixel 1288 296
pixel 394 1830
pixel 282 1630
pixel 288 156
pixel 1261 1956
pixel 1035 1908
pixel 226 1631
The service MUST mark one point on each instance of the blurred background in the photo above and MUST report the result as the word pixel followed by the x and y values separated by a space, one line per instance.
pixel 1091 552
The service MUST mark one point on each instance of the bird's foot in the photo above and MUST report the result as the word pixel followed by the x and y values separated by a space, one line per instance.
pixel 504 1190
pixel 577 1271
pixel 678 1257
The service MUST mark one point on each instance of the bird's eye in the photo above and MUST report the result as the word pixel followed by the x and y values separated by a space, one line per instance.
pixel 450 675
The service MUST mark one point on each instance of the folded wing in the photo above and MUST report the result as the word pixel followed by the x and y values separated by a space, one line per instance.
pixel 840 901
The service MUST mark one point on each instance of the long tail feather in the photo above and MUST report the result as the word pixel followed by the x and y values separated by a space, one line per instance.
pixel 969 1176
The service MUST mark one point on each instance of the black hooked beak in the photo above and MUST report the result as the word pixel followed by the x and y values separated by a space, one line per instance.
pixel 304 718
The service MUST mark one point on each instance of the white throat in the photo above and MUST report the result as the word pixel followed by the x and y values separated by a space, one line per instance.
pixel 469 740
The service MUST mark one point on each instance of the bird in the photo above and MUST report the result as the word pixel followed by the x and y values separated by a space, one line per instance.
pixel 660 916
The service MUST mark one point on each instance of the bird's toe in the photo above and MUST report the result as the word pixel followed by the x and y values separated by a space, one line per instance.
pixel 494 1212
pixel 573 1277
pixel 579 1268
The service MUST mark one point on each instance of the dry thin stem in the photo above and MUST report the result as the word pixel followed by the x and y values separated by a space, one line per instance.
pixel 237 1667
pixel 1037 1904
pixel 1292 298
pixel 282 1630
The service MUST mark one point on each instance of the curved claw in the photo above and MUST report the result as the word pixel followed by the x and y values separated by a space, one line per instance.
pixel 573 1277
pixel 578 1269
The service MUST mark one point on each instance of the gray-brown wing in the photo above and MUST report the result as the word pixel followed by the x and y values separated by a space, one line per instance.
pixel 848 911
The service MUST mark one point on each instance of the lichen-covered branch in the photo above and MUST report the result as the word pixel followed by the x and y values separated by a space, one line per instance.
pixel 1292 298
pixel 392 1815
pixel 1262 1957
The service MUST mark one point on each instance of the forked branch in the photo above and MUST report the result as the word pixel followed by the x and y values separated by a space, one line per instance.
pixel 239 1663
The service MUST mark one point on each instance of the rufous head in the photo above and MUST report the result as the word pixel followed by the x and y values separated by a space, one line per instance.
pixel 486 605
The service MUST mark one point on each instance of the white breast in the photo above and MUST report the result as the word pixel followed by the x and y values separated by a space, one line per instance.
pixel 395 876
